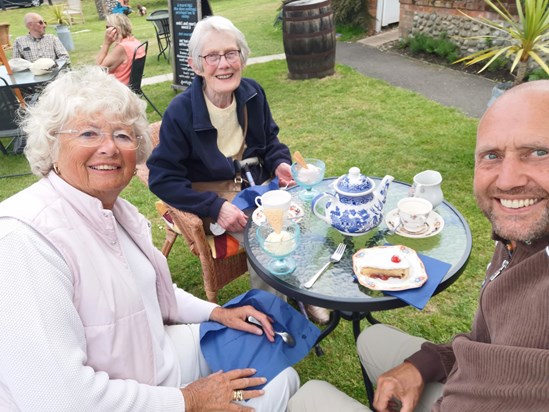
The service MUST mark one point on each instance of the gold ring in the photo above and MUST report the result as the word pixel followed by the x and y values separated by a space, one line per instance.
pixel 238 396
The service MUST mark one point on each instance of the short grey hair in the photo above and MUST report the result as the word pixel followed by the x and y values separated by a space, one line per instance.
pixel 221 25
pixel 84 92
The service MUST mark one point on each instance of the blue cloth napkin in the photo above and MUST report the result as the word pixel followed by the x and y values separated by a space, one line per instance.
pixel 245 199
pixel 227 349
pixel 419 297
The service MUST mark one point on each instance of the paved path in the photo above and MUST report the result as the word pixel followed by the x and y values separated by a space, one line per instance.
pixel 466 92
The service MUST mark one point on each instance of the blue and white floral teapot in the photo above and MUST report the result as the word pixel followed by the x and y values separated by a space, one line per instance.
pixel 357 206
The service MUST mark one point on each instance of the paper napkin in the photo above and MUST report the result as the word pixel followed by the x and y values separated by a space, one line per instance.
pixel 436 270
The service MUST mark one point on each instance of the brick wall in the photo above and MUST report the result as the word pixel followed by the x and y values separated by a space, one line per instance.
pixel 475 8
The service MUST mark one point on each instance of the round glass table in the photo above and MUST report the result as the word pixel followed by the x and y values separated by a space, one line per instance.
pixel 336 288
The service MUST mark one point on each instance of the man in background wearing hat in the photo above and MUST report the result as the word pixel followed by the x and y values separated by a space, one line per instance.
pixel 37 44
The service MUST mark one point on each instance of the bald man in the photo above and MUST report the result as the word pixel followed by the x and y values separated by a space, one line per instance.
pixel 503 363
pixel 37 43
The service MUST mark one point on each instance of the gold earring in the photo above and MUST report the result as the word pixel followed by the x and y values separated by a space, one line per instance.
pixel 56 169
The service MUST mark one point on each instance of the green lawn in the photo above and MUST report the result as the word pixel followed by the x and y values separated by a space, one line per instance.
pixel 346 120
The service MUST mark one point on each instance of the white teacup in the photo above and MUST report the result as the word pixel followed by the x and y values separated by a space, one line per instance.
pixel 413 213
pixel 275 205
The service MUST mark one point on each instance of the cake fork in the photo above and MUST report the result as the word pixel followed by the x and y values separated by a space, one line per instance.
pixel 336 257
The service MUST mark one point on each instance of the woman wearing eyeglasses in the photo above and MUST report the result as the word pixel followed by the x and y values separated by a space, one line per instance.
pixel 221 117
pixel 208 125
pixel 118 61
pixel 90 318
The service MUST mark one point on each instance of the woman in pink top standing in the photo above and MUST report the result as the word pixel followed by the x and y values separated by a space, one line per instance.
pixel 119 60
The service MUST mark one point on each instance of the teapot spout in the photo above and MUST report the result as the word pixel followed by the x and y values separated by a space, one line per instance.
pixel 381 192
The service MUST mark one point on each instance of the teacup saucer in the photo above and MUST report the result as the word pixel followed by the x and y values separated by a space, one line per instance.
pixel 433 225
pixel 295 213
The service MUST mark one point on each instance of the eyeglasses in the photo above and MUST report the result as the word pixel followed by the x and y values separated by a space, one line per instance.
pixel 231 56
pixel 41 22
pixel 94 137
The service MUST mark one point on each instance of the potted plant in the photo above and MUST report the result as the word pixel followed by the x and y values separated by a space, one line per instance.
pixel 61 22
pixel 521 38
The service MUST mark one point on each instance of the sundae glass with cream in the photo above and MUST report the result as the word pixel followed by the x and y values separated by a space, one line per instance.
pixel 279 244
pixel 308 173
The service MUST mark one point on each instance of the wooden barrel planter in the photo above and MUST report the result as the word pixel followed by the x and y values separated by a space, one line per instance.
pixel 309 38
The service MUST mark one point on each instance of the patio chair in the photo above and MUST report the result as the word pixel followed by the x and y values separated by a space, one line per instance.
pixel 9 129
pixel 4 61
pixel 162 28
pixel 136 73
pixel 216 273
pixel 73 9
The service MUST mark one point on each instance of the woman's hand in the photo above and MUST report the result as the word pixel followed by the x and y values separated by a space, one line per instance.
pixel 111 34
pixel 235 318
pixel 231 218
pixel 216 391
pixel 284 174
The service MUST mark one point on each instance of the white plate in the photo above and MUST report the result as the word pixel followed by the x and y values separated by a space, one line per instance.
pixel 433 225
pixel 416 276
pixel 295 213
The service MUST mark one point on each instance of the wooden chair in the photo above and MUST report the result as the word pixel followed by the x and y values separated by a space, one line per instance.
pixel 216 273
pixel 73 8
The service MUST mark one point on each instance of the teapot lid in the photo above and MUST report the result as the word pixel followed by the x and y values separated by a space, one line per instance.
pixel 354 182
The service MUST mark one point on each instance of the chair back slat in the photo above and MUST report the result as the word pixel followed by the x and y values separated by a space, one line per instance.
pixel 138 67
pixel 9 112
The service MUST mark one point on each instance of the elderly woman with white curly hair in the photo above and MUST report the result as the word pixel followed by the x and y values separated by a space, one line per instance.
pixel 90 318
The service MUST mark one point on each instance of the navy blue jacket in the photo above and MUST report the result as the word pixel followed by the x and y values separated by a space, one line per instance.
pixel 188 151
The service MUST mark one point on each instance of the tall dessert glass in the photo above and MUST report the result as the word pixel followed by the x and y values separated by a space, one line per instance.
pixel 308 177
pixel 279 246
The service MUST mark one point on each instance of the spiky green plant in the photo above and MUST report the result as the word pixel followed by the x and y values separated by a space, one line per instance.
pixel 523 38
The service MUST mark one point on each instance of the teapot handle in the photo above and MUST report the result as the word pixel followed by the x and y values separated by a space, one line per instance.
pixel 315 202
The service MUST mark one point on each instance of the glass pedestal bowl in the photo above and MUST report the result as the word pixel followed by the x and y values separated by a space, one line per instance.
pixel 279 246
pixel 309 177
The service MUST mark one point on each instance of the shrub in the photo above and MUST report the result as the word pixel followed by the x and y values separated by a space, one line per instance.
pixel 351 13
pixel 441 46
pixel 538 74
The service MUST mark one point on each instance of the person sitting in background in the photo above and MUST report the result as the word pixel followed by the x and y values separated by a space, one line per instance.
pixel 122 7
pixel 119 60
pixel 37 43
pixel 142 10
pixel 220 117
pixel 503 363
pixel 91 320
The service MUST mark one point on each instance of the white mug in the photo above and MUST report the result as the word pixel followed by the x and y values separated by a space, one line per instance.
pixel 275 205
pixel 427 186
pixel 413 213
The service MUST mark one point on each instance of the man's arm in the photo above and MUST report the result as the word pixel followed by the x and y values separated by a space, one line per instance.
pixel 17 49
pixel 60 51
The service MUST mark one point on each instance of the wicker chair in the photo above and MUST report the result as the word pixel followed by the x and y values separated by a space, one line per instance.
pixel 216 272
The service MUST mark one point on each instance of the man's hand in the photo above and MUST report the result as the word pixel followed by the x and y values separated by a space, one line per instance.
pixel 215 392
pixel 403 383
pixel 284 173
pixel 231 218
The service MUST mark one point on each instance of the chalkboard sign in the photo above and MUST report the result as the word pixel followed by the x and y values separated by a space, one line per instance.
pixel 184 16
